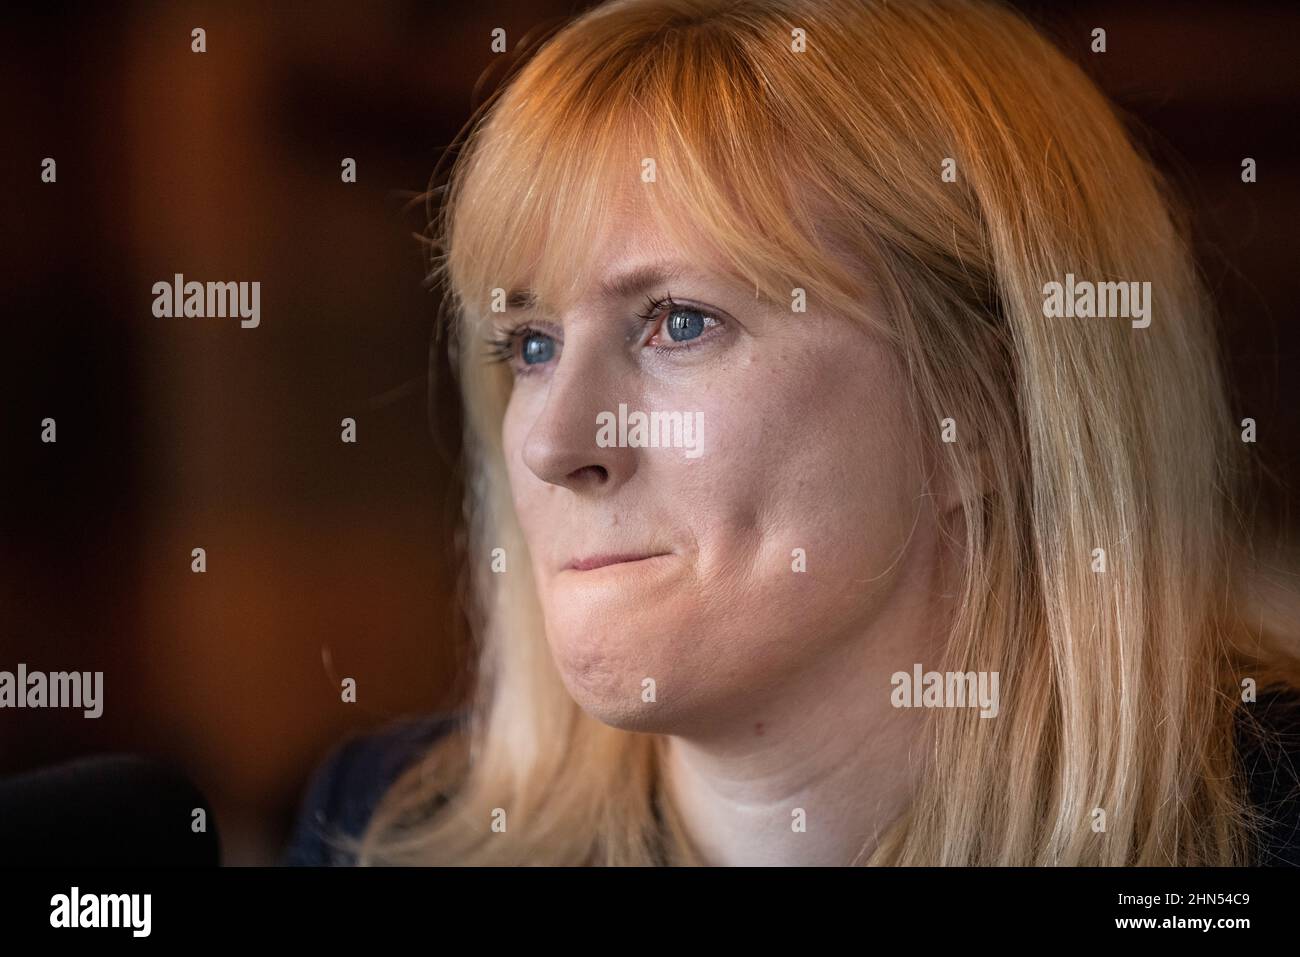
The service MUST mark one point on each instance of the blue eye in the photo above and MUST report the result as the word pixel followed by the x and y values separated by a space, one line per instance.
pixel 679 322
pixel 525 347
pixel 683 324
pixel 536 348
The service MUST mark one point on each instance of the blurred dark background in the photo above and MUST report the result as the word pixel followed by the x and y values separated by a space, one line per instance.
pixel 328 560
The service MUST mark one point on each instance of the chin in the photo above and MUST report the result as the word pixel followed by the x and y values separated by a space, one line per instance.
pixel 619 713
pixel 604 668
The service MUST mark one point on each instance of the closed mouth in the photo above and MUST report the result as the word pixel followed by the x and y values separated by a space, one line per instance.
pixel 593 562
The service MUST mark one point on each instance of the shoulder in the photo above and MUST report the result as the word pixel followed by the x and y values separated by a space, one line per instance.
pixel 346 786
pixel 1269 746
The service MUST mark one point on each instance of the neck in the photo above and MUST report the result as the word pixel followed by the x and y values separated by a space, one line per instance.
pixel 816 772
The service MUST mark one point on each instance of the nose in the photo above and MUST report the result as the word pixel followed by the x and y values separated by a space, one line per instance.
pixel 561 447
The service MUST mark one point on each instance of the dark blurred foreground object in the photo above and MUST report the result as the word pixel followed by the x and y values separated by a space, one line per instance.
pixel 115 810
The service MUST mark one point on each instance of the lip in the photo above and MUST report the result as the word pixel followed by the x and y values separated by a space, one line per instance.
pixel 593 562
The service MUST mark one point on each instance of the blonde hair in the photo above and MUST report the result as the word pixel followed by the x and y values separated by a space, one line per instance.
pixel 820 169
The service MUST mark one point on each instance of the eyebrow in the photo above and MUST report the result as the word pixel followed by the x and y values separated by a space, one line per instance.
pixel 622 286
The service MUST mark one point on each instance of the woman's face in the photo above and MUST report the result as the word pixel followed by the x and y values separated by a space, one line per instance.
pixel 804 448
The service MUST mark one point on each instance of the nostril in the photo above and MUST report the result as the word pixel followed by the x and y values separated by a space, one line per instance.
pixel 594 473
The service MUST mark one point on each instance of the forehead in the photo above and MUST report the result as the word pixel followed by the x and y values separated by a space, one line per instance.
pixel 625 280
pixel 634 250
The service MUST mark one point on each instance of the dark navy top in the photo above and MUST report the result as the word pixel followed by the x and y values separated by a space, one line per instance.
pixel 346 787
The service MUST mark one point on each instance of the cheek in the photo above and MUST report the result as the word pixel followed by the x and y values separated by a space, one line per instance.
pixel 813 464
pixel 528 493
pixel 512 443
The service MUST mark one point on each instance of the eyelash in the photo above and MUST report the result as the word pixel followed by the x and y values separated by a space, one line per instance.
pixel 501 347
